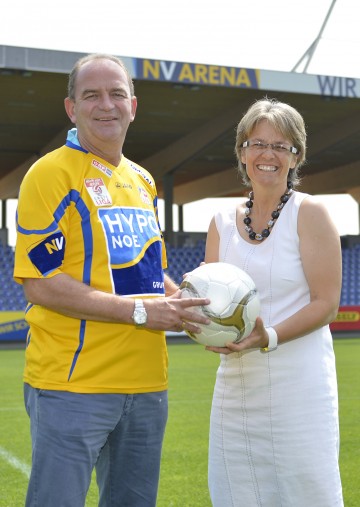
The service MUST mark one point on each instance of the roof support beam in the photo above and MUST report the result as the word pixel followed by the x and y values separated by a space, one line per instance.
pixel 325 138
pixel 338 180
pixel 216 185
pixel 173 156
pixel 228 182
pixel 10 183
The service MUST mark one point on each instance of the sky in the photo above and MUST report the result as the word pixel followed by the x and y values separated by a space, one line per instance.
pixel 261 34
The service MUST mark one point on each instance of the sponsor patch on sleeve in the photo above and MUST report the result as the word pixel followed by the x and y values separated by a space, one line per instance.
pixel 49 254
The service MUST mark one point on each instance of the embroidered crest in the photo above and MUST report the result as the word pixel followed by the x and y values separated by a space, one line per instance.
pixel 98 191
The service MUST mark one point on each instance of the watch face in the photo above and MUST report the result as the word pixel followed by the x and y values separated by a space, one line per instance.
pixel 140 317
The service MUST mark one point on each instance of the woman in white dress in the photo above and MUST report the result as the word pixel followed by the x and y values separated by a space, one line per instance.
pixel 274 429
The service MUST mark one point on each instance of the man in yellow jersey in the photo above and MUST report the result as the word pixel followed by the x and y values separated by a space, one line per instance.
pixel 90 256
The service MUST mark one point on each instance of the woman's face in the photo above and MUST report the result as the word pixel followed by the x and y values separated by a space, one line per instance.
pixel 268 165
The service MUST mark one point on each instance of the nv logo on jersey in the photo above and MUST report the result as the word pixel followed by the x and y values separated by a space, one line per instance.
pixel 48 255
pixel 55 245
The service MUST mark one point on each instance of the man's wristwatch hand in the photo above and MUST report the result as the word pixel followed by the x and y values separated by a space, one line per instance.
pixel 139 316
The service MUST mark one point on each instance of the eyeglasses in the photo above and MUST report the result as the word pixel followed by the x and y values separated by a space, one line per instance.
pixel 278 147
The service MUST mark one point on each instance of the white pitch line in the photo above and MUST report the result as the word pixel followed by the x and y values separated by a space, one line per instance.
pixel 15 462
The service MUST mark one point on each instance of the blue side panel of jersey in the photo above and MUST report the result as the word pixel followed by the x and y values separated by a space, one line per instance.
pixel 87 238
pixel 145 277
pixel 79 349
pixel 87 235
pixel 48 254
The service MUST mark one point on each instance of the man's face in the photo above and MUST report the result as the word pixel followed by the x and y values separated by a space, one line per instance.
pixel 103 107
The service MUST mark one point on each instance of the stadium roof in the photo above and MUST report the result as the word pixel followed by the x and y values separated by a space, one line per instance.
pixel 184 131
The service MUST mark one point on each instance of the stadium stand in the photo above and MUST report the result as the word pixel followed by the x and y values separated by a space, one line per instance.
pixel 180 261
pixel 350 294
pixel 11 294
pixel 184 259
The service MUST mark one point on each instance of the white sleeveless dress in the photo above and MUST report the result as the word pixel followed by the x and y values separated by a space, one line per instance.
pixel 274 430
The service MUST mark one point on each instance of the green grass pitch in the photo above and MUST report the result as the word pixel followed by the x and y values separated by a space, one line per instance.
pixel 183 481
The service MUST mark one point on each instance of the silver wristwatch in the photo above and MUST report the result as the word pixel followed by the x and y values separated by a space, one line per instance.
pixel 139 316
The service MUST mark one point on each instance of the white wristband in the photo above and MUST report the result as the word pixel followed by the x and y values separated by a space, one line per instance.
pixel 273 340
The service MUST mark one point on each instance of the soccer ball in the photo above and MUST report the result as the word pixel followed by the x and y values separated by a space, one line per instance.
pixel 234 302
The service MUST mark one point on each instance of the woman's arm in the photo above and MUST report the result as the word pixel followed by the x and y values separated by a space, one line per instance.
pixel 320 252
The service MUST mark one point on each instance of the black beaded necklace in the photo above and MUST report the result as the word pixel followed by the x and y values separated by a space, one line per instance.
pixel 274 215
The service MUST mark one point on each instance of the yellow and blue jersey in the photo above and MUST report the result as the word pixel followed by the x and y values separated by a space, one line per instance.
pixel 79 215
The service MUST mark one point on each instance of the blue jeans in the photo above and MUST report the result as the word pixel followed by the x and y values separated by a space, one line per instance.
pixel 119 434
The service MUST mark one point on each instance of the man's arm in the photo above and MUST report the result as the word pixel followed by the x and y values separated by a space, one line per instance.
pixel 63 294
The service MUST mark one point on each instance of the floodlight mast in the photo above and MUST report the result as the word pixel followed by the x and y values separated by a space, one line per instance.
pixel 309 53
